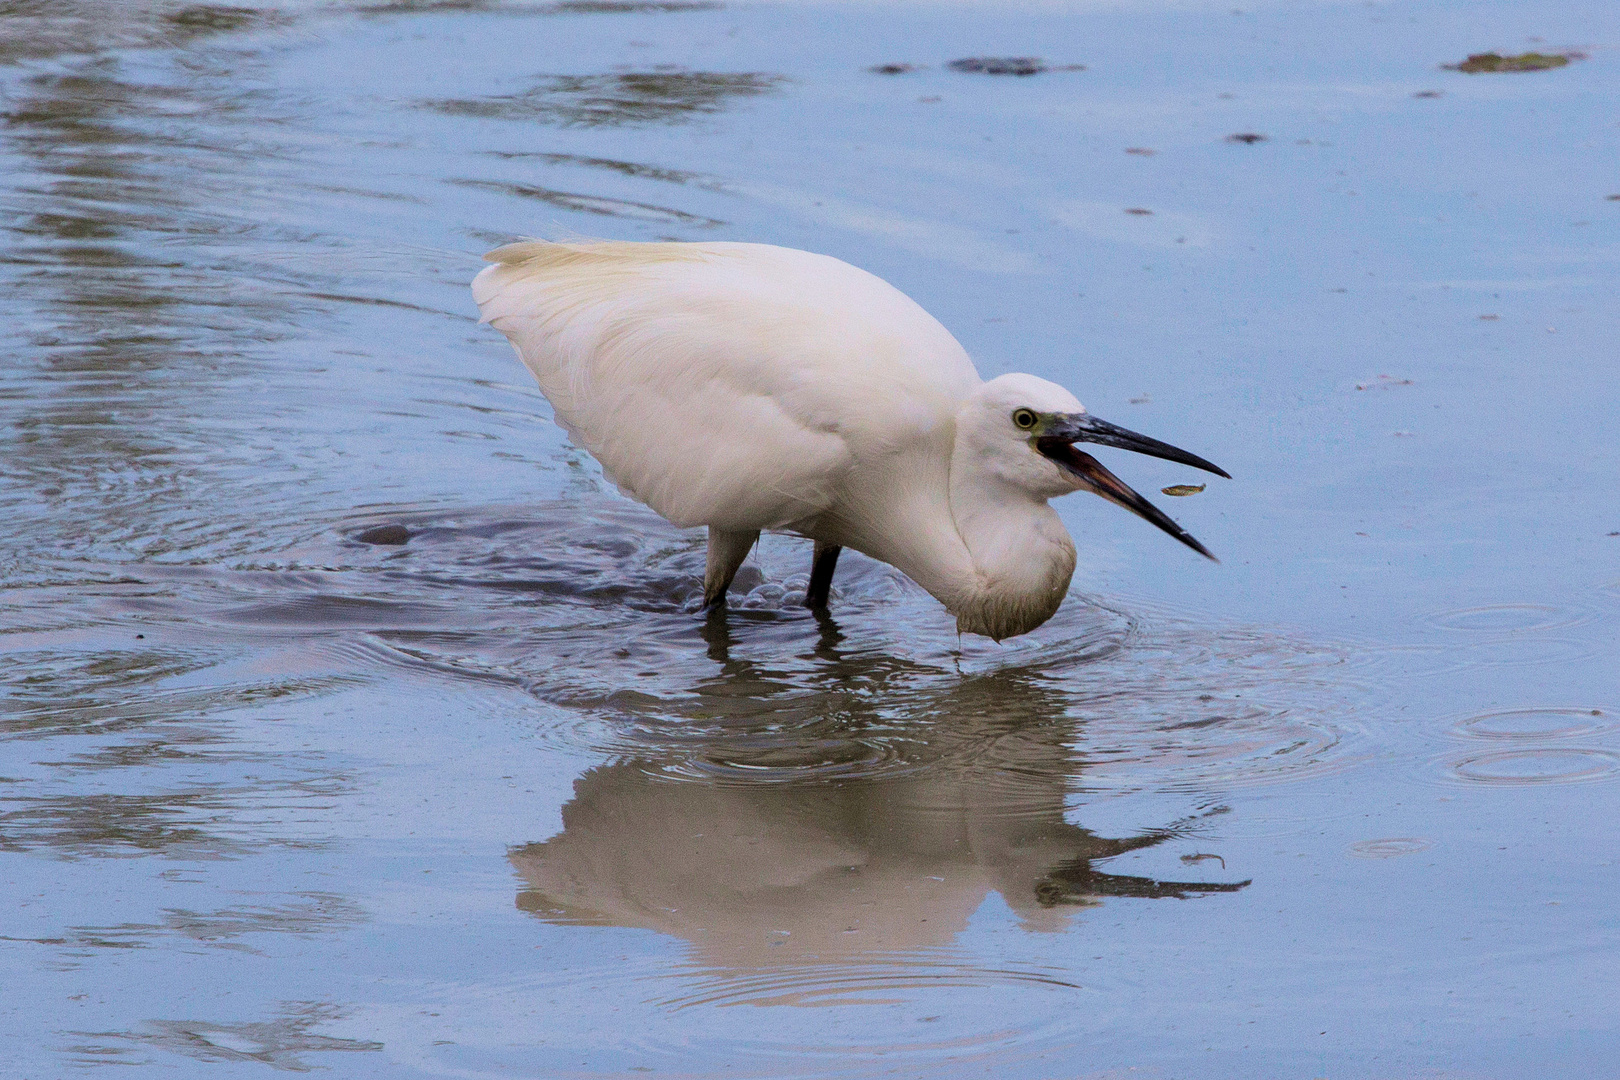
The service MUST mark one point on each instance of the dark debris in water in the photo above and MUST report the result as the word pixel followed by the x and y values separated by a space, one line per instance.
pixel 1478 63
pixel 216 19
pixel 304 913
pixel 1248 138
pixel 626 168
pixel 426 7
pixel 892 69
pixel 1429 94
pixel 280 1043
pixel 999 65
pixel 579 202
pixel 565 7
pixel 615 7
pixel 620 98
pixel 1008 65
pixel 384 534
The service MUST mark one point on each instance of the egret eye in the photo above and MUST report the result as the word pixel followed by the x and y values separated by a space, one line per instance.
pixel 1024 419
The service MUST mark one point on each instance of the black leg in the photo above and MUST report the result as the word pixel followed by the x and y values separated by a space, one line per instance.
pixel 821 573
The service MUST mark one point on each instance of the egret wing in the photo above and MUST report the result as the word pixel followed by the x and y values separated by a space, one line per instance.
pixel 733 385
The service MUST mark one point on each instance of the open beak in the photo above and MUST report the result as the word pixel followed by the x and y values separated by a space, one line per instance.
pixel 1057 442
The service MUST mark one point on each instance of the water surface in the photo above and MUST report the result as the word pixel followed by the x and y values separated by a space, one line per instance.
pixel 497 802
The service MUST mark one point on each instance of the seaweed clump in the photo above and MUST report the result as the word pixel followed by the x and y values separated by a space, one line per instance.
pixel 999 65
pixel 1530 61
pixel 1008 65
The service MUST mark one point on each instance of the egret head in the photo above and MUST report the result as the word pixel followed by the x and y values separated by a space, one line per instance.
pixel 1025 430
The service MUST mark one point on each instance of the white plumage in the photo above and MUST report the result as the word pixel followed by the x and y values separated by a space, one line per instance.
pixel 747 387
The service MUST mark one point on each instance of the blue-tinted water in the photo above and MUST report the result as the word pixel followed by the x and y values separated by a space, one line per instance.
pixel 493 803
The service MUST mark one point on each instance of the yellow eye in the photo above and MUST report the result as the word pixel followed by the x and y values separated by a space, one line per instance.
pixel 1025 419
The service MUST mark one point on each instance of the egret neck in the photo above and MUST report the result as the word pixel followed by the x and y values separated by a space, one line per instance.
pixel 1021 554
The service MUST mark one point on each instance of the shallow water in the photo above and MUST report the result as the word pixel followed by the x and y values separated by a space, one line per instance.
pixel 496 802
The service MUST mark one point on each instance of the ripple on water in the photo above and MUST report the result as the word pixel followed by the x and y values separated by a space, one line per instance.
pixel 594 606
pixel 590 605
pixel 874 981
pixel 1389 847
pixel 872 755
pixel 789 759
pixel 935 1016
pixel 816 807
pixel 1535 765
pixel 1506 618
pixel 1505 636
pixel 1544 723
pixel 1505 651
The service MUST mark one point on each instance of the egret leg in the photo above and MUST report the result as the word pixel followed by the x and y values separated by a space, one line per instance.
pixel 727 550
pixel 822 565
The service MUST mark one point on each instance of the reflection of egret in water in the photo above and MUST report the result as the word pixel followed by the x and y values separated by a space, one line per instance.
pixel 747 845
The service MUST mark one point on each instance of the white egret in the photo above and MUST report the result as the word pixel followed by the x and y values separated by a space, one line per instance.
pixel 747 387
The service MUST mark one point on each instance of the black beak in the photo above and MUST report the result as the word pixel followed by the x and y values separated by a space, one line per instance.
pixel 1058 442
pixel 1083 427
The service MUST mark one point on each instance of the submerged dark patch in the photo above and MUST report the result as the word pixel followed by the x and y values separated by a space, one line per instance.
pixel 1009 65
pixel 1530 61
pixel 621 98
pixel 384 534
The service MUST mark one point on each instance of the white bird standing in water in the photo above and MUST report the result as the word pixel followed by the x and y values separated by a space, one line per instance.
pixel 747 387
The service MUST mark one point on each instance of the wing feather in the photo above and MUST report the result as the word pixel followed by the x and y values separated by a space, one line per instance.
pixel 733 385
